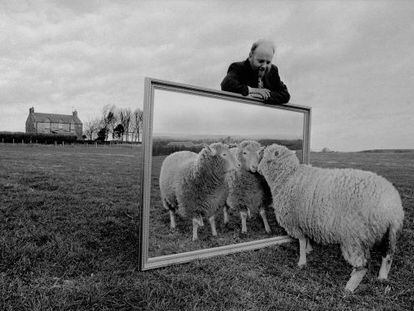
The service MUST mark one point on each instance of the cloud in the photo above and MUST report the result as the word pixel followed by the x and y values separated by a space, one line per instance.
pixel 349 61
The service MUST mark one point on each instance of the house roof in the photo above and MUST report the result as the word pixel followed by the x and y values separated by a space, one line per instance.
pixel 55 118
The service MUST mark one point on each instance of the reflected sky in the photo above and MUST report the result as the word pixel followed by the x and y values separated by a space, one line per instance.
pixel 188 114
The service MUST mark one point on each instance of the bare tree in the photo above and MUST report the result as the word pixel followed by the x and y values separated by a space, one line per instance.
pixel 137 123
pixel 125 119
pixel 91 128
pixel 109 118
pixel 119 131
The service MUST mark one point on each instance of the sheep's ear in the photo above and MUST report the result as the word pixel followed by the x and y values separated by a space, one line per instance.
pixel 212 151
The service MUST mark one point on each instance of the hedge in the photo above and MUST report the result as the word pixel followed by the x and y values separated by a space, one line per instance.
pixel 20 137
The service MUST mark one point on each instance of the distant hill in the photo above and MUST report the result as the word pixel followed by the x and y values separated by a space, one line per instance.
pixel 217 137
pixel 389 151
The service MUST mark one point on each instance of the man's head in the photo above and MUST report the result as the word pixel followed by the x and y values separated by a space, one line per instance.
pixel 261 55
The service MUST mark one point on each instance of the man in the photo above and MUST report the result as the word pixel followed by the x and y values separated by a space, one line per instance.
pixel 257 77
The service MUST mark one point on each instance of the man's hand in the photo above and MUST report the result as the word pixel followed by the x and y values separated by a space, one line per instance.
pixel 259 93
pixel 256 96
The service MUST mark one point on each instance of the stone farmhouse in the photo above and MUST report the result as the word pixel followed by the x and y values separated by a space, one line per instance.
pixel 49 123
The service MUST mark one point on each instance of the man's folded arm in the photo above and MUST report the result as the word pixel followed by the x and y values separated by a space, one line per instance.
pixel 231 82
pixel 280 96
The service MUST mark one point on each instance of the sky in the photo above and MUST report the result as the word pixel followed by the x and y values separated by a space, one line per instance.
pixel 352 62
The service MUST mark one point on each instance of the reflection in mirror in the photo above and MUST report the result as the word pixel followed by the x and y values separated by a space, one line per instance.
pixel 184 121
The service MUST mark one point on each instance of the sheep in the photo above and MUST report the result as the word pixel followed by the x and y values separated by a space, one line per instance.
pixel 233 151
pixel 247 190
pixel 349 207
pixel 193 185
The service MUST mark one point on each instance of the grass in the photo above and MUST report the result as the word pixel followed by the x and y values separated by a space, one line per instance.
pixel 69 241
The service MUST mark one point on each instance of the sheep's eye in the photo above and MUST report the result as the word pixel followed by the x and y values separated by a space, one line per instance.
pixel 224 154
pixel 244 152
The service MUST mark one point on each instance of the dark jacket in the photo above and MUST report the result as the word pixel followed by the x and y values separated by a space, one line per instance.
pixel 240 75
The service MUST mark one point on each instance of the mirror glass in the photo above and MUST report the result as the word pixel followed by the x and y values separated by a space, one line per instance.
pixel 187 121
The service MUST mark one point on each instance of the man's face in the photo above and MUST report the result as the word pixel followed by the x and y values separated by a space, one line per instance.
pixel 261 59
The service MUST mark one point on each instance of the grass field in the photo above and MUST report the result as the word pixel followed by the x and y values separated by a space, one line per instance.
pixel 69 241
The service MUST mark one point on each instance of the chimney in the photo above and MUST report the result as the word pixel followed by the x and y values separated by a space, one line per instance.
pixel 31 110
pixel 75 113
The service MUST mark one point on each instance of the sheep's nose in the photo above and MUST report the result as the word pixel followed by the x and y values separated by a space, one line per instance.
pixel 253 167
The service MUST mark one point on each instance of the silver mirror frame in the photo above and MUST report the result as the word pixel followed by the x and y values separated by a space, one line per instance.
pixel 146 263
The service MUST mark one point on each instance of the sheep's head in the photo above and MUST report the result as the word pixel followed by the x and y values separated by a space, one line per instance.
pixel 275 158
pixel 248 154
pixel 221 150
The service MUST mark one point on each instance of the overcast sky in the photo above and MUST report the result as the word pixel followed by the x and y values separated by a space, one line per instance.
pixel 351 61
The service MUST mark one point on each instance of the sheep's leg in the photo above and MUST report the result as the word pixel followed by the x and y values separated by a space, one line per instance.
pixel 385 267
pixel 356 278
pixel 197 222
pixel 275 215
pixel 308 248
pixel 243 216
pixel 357 256
pixel 266 224
pixel 302 252
pixel 172 219
pixel 387 260
pixel 225 215
pixel 212 221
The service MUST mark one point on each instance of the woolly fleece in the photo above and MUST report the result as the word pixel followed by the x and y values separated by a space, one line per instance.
pixel 248 190
pixel 349 207
pixel 192 184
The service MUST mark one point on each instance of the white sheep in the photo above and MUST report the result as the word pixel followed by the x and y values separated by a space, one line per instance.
pixel 248 192
pixel 349 207
pixel 193 185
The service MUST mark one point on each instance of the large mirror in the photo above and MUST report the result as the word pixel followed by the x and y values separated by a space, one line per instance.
pixel 182 117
